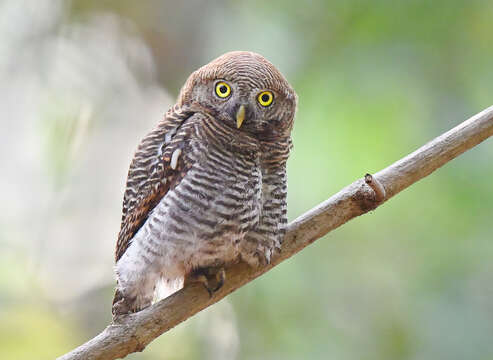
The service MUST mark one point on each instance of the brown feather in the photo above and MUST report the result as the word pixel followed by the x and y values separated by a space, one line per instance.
pixel 149 177
pixel 203 192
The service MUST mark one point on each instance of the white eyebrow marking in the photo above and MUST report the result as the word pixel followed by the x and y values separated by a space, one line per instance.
pixel 174 158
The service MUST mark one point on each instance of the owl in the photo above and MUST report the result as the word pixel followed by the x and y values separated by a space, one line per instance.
pixel 207 187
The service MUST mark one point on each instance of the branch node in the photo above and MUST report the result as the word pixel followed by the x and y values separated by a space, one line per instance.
pixel 376 186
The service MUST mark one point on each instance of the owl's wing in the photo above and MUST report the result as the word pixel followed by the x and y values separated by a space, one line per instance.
pixel 156 167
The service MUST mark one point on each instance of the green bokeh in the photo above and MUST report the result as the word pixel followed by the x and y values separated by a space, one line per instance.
pixel 375 80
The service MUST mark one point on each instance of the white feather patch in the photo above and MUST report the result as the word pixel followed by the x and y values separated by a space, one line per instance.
pixel 166 287
pixel 174 158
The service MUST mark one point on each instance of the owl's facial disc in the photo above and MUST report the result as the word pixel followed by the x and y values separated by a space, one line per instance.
pixel 246 92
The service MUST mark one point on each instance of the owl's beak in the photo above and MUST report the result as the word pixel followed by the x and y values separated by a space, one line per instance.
pixel 240 116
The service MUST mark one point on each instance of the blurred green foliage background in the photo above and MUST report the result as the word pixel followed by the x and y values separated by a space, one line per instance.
pixel 82 81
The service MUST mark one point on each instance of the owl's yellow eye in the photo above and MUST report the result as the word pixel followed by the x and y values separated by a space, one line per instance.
pixel 222 89
pixel 265 98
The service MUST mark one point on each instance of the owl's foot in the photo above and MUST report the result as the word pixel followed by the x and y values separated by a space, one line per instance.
pixel 221 278
pixel 126 304
pixel 212 278
pixel 120 306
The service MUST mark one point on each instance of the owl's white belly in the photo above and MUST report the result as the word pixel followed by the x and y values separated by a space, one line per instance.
pixel 186 231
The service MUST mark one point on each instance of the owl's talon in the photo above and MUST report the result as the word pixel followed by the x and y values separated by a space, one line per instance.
pixel 205 282
pixel 120 308
pixel 220 277
pixel 203 276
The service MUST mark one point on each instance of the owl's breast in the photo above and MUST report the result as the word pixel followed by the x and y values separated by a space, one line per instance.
pixel 202 220
pixel 223 194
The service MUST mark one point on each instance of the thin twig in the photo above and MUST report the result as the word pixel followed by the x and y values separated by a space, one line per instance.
pixel 133 332
pixel 376 186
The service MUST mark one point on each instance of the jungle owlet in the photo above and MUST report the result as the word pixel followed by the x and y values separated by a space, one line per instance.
pixel 207 187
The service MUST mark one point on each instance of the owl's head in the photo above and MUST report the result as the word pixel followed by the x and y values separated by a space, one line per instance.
pixel 246 91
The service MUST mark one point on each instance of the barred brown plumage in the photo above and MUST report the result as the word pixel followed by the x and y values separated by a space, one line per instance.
pixel 207 188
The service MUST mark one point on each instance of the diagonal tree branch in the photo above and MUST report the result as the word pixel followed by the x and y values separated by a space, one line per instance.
pixel 131 333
